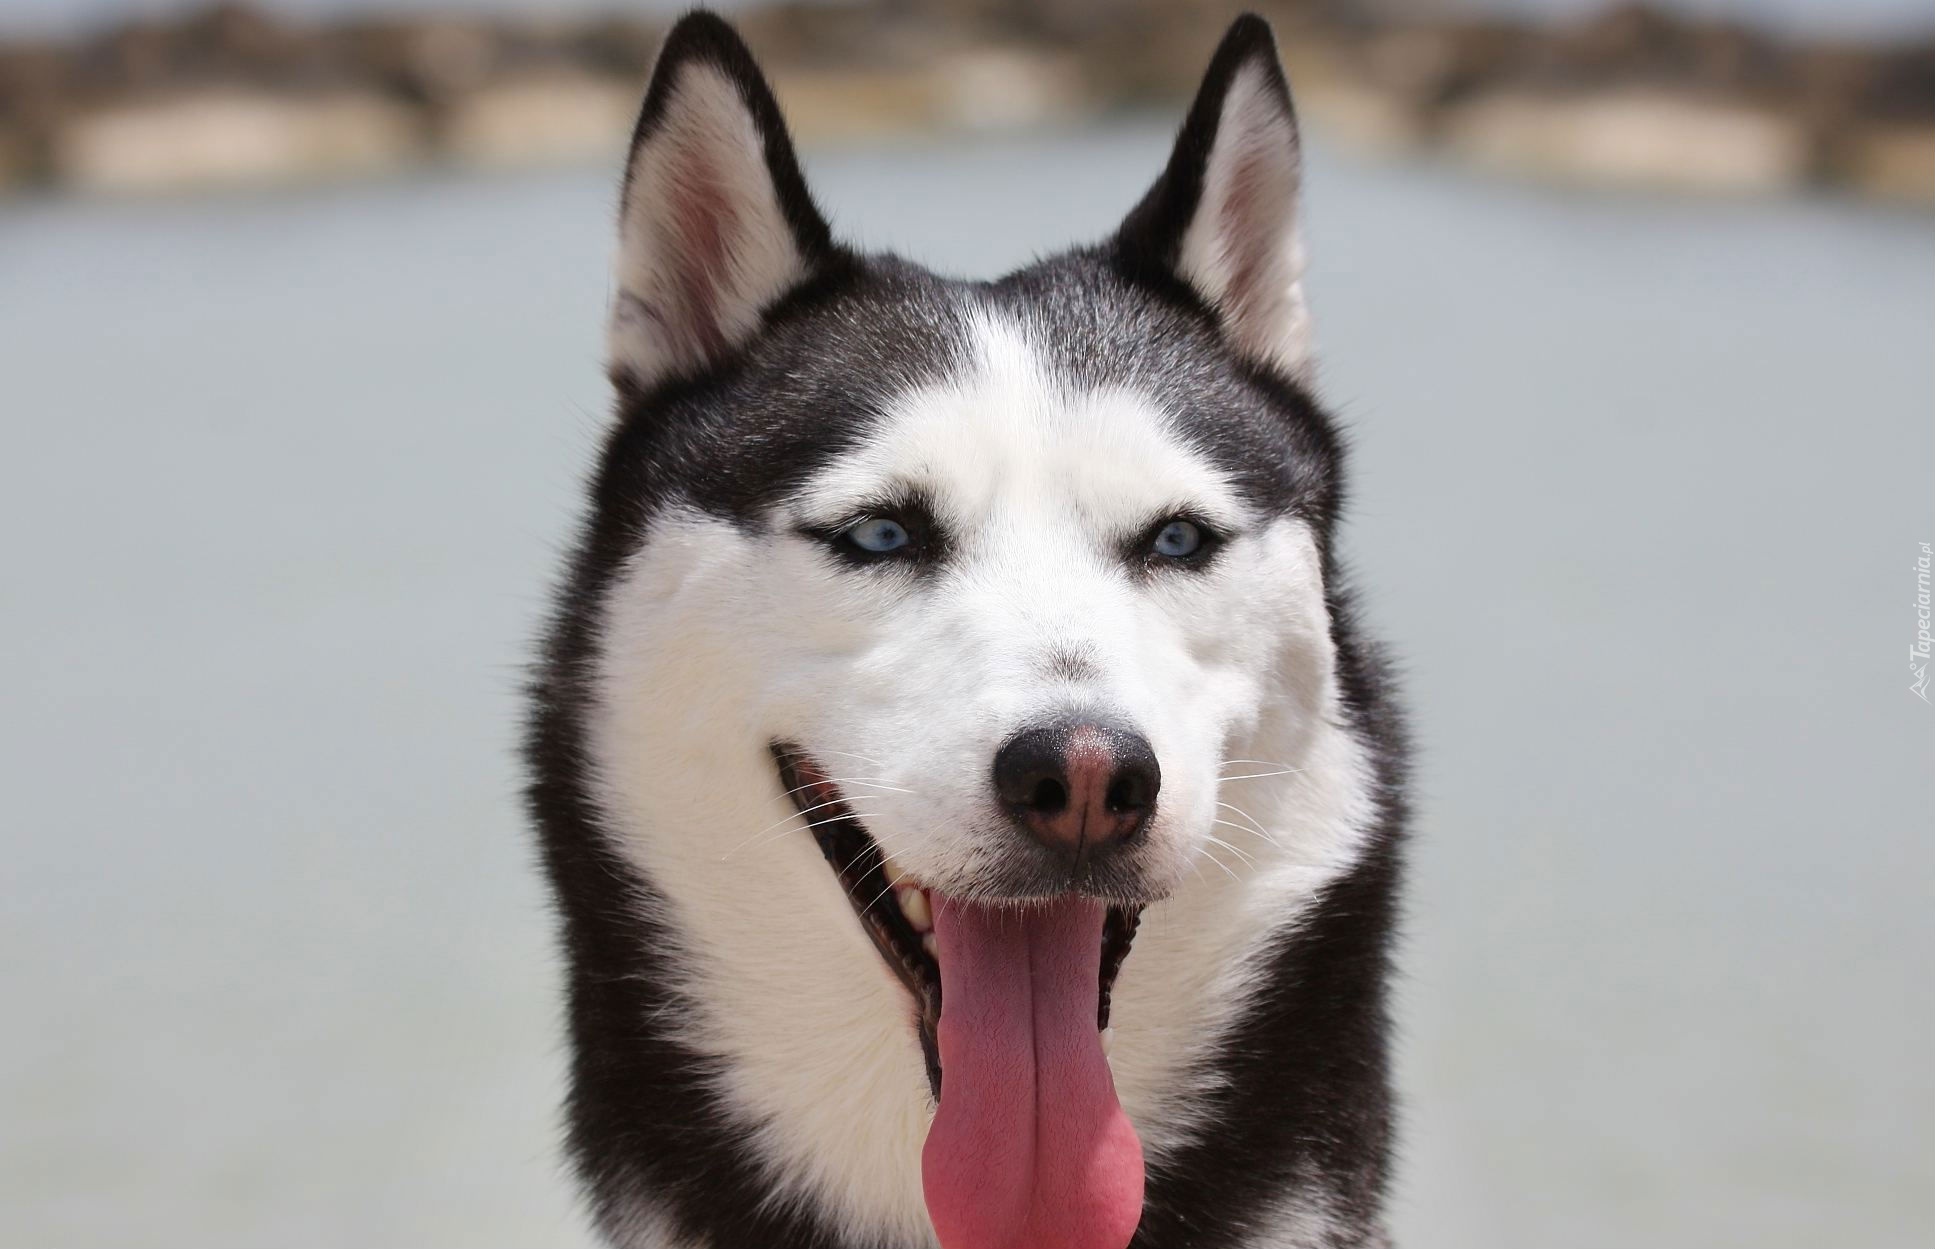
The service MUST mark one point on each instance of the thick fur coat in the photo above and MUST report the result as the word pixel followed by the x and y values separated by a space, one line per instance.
pixel 748 1070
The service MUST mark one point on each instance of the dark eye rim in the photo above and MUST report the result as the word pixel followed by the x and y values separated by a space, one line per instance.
pixel 1143 548
pixel 911 515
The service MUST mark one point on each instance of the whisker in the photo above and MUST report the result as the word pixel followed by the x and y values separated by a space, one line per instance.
pixel 830 802
pixel 1208 854
pixel 867 759
pixel 884 841
pixel 855 859
pixel 1215 840
pixel 1238 827
pixel 1255 826
pixel 891 886
pixel 1230 806
pixel 810 826
pixel 1257 776
pixel 773 832
pixel 869 781
pixel 1308 865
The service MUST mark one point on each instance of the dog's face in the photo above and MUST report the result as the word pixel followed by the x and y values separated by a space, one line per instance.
pixel 1084 507
pixel 1016 552
pixel 993 587
pixel 1009 543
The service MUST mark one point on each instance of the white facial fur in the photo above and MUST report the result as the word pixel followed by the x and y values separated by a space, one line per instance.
pixel 718 642
pixel 1040 490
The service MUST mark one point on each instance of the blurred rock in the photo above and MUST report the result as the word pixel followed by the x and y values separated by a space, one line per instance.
pixel 1639 137
pixel 1630 40
pixel 1428 66
pixel 235 37
pixel 830 105
pixel 1633 94
pixel 16 166
pixel 623 47
pixel 427 60
pixel 1892 162
pixel 139 56
pixel 233 138
pixel 1364 117
pixel 1725 56
pixel 546 118
pixel 35 96
pixel 1008 89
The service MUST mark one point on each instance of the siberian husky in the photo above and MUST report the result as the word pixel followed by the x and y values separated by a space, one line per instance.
pixel 972 812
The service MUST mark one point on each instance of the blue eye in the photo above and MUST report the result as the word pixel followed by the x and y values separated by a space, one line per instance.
pixel 1179 539
pixel 879 535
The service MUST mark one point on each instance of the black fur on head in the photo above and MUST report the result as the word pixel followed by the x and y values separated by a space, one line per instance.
pixel 749 406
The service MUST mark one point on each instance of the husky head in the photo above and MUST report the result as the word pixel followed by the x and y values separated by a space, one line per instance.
pixel 953 608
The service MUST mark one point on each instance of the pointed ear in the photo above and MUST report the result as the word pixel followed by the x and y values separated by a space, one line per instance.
pixel 1224 215
pixel 715 222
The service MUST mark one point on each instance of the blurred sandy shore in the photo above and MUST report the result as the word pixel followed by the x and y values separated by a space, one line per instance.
pixel 1633 97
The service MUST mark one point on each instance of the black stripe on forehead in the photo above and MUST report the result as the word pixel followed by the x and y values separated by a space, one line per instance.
pixel 839 354
pixel 1098 330
pixel 833 358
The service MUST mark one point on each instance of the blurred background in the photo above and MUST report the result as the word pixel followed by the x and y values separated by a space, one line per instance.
pixel 1630 313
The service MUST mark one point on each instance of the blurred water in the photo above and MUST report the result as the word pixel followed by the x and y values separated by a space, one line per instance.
pixel 1639 485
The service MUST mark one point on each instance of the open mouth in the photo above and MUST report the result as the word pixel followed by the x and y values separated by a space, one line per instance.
pixel 1029 1146
pixel 898 913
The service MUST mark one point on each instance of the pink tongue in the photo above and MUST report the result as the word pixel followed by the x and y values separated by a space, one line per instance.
pixel 1029 1149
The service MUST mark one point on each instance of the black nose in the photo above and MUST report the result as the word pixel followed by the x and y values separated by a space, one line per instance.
pixel 1078 788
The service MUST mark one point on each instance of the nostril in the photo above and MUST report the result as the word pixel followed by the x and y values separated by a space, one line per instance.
pixel 1130 791
pixel 1049 796
pixel 1029 773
